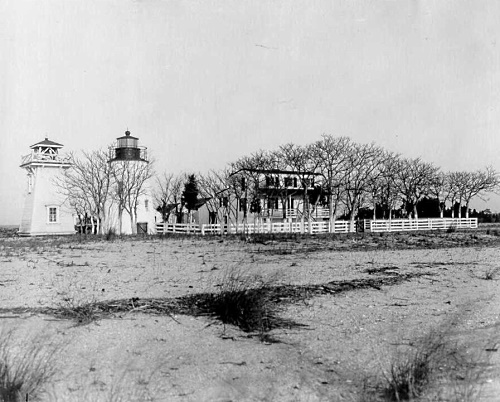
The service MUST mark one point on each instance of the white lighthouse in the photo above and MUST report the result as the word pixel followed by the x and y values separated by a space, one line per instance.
pixel 45 212
pixel 132 211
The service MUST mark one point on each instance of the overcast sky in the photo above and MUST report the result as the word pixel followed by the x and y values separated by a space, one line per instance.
pixel 202 83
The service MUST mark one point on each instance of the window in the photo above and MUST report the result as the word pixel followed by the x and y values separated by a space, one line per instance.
pixel 288 182
pixel 146 205
pixel 53 214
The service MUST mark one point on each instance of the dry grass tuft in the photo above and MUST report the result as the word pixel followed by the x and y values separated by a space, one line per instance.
pixel 491 273
pixel 82 314
pixel 25 369
pixel 243 300
pixel 435 366
pixel 110 235
pixel 410 374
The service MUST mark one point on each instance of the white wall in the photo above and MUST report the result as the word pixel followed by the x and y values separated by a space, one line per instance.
pixel 44 194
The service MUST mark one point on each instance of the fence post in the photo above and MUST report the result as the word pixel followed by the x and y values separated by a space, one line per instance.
pixel 203 229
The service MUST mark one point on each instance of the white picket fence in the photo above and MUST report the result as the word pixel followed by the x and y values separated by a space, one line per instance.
pixel 398 225
pixel 251 228
pixel 191 228
pixel 394 225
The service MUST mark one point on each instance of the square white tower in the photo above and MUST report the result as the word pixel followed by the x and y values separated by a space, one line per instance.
pixel 45 212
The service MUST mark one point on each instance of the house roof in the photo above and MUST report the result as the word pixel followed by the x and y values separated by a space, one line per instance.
pixel 202 201
pixel 277 171
pixel 47 143
pixel 168 207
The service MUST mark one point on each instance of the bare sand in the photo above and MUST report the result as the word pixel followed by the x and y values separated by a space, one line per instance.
pixel 343 338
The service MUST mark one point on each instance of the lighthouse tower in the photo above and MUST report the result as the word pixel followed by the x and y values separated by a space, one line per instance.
pixel 44 210
pixel 136 213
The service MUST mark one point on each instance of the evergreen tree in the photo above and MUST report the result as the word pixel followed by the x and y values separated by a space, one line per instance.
pixel 190 193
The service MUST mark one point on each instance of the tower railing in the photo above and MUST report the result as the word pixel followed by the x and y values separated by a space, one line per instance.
pixel 35 157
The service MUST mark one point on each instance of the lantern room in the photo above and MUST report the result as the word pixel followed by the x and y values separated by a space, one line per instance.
pixel 127 148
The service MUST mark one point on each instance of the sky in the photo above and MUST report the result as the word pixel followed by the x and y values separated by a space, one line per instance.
pixel 202 83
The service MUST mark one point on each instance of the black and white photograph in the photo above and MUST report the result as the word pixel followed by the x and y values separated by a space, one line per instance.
pixel 224 201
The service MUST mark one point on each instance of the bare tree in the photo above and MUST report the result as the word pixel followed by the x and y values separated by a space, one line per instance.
pixel 237 188
pixel 215 191
pixel 363 161
pixel 453 189
pixel 87 185
pixel 382 190
pixel 130 183
pixel 477 184
pixel 415 179
pixel 249 171
pixel 445 188
pixel 389 194
pixel 331 155
pixel 300 160
pixel 167 194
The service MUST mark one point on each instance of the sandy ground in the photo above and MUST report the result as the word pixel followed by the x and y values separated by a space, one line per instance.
pixel 344 338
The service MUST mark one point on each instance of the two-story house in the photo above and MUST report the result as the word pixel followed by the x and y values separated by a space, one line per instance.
pixel 268 196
